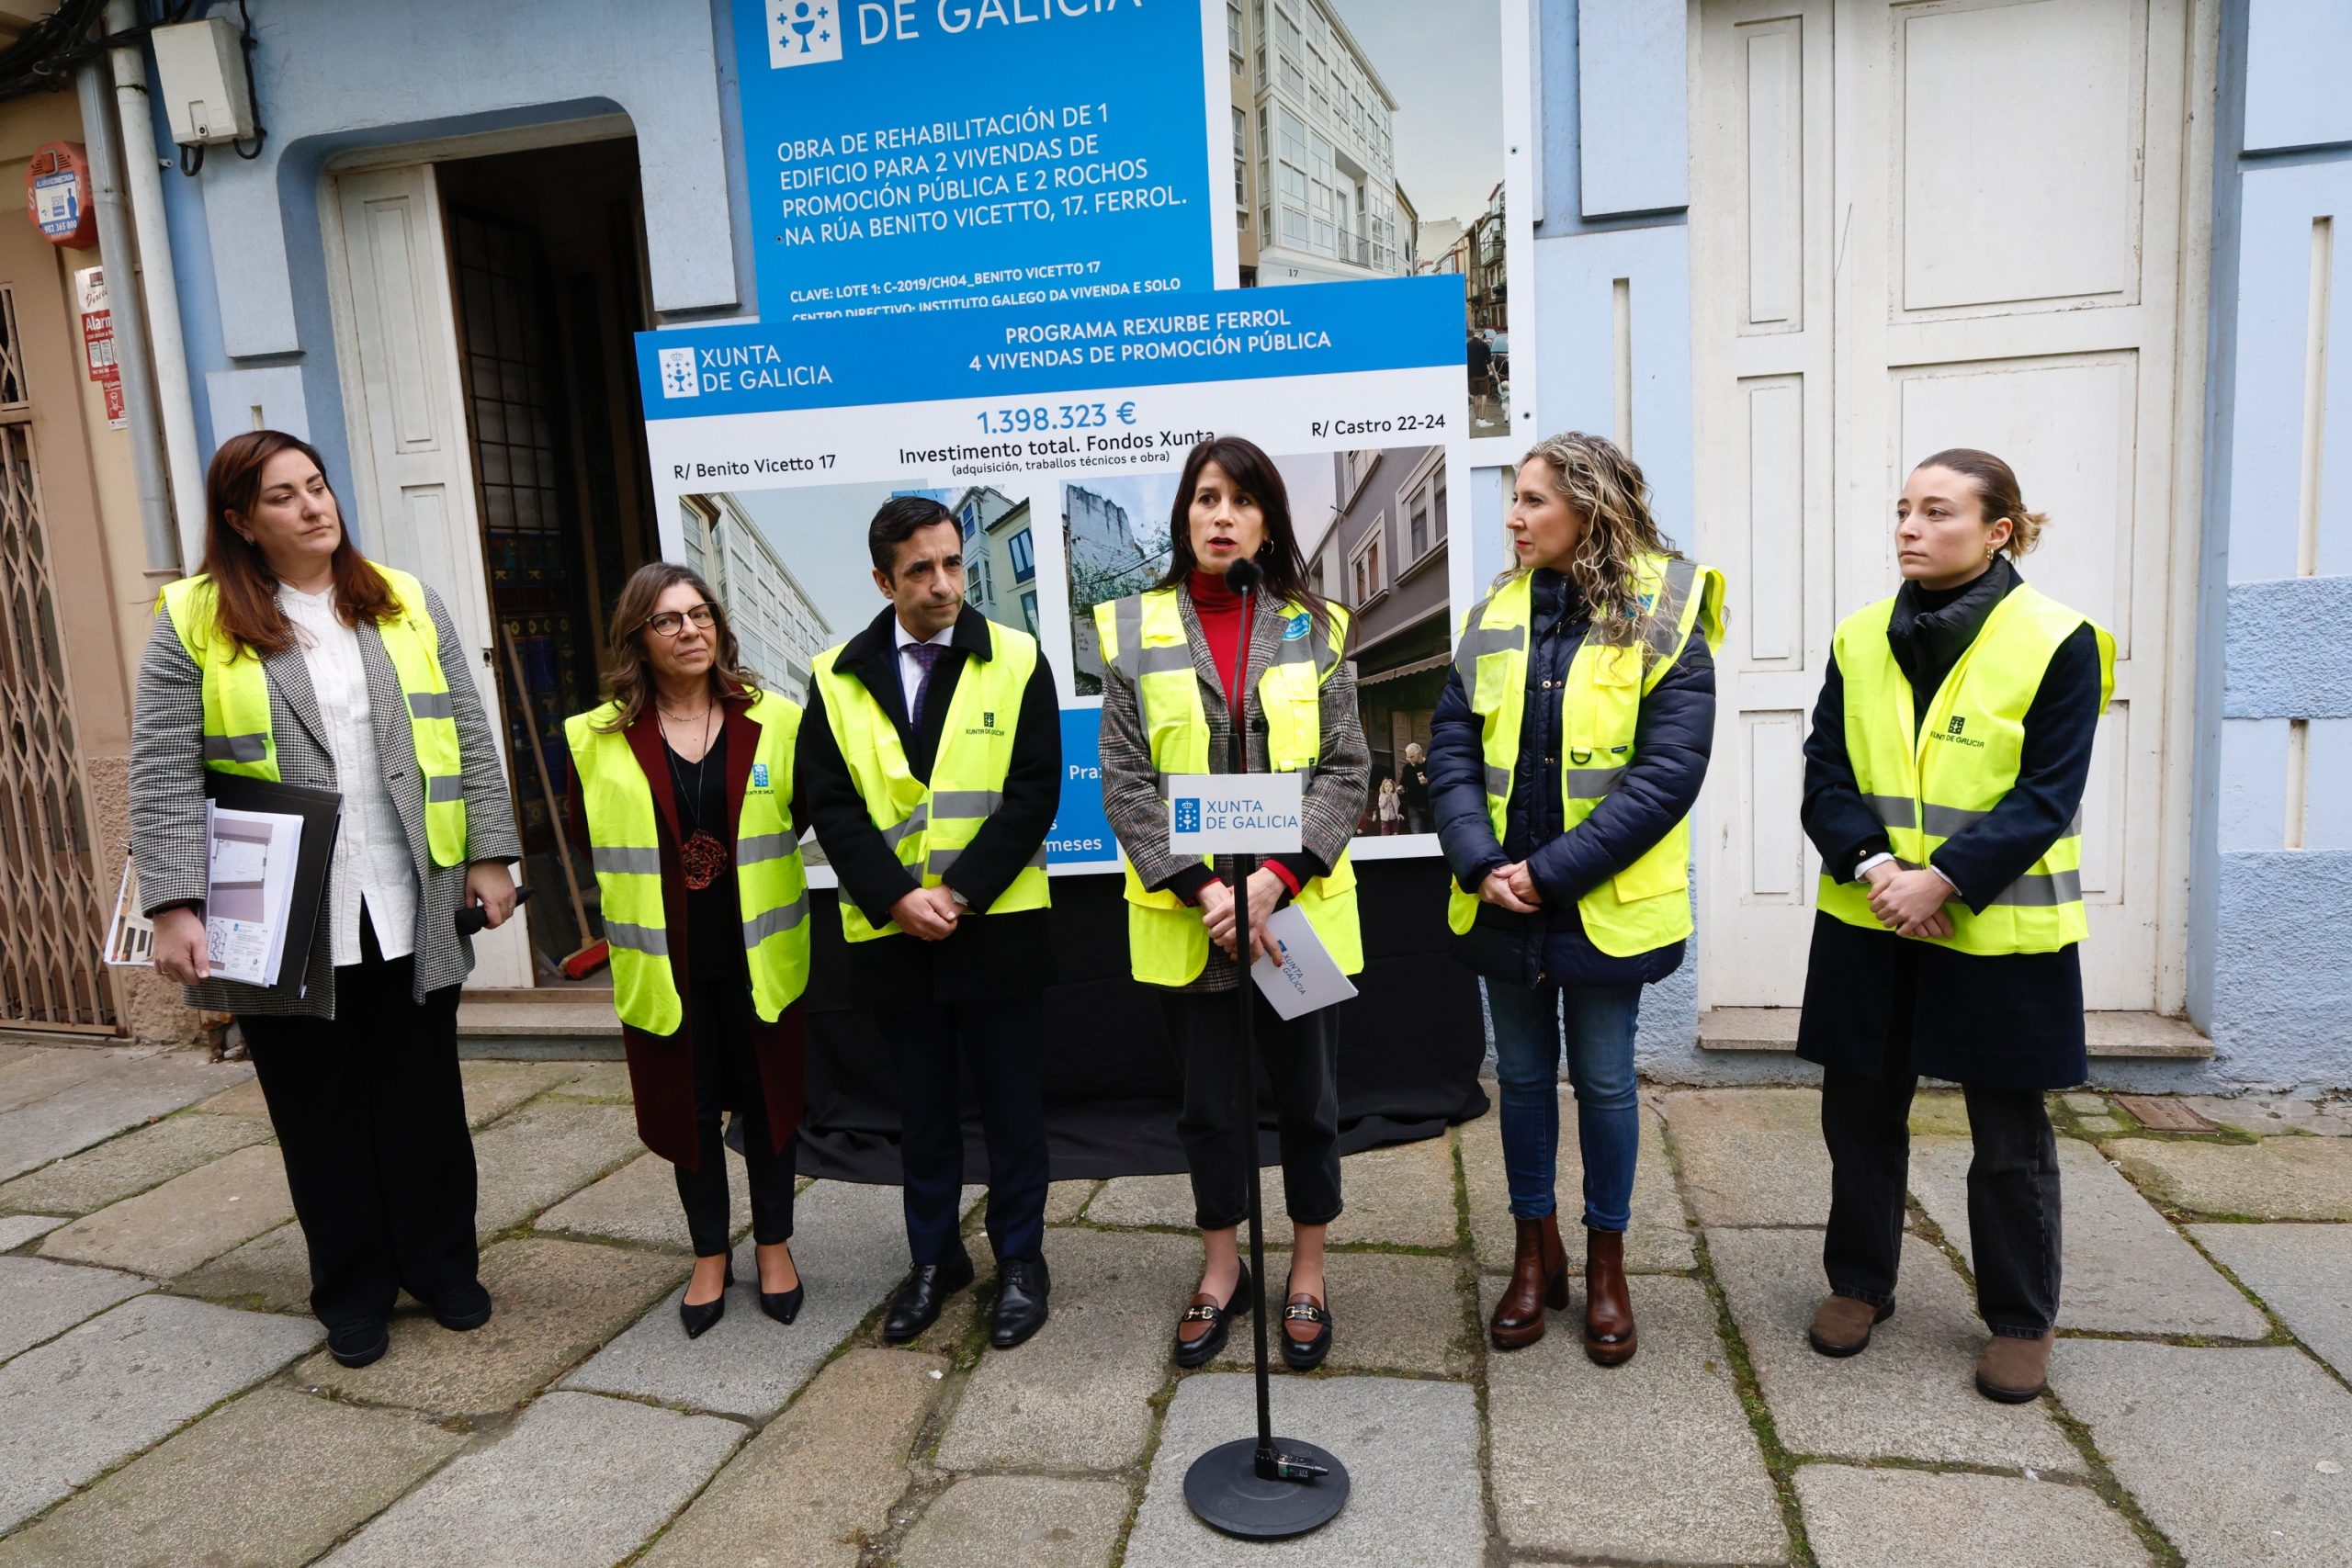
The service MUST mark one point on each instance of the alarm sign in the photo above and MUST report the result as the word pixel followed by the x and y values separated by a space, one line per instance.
pixel 57 194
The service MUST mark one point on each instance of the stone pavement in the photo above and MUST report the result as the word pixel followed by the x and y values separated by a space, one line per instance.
pixel 163 1399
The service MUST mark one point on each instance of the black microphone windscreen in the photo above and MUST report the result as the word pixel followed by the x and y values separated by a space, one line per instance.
pixel 1243 576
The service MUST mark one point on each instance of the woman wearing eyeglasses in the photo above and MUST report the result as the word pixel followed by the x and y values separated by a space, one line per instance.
pixel 681 793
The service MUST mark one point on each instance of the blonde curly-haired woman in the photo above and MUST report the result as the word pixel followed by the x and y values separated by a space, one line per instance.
pixel 1564 757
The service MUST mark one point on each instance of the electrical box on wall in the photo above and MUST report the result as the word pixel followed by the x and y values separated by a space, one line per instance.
pixel 202 80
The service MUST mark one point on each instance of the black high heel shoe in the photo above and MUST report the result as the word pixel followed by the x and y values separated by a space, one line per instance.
pixel 1202 1351
pixel 699 1316
pixel 783 1305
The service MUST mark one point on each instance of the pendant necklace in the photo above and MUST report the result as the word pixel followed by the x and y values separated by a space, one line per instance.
pixel 701 857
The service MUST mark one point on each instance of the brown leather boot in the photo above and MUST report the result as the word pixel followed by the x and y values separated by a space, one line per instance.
pixel 2013 1370
pixel 1609 1336
pixel 1539 1277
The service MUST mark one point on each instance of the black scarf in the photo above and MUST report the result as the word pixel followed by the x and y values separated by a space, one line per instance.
pixel 1932 628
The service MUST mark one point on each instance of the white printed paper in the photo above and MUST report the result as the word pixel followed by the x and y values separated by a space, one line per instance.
pixel 253 855
pixel 1308 978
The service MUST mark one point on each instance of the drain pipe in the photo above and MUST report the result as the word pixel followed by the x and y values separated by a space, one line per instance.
pixel 133 351
pixel 158 280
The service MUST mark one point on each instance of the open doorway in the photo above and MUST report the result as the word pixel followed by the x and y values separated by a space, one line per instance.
pixel 544 252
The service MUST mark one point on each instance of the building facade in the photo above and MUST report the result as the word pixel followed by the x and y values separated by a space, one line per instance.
pixel 1384 558
pixel 433 275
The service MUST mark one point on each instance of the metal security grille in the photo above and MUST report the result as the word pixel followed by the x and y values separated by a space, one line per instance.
pixel 51 920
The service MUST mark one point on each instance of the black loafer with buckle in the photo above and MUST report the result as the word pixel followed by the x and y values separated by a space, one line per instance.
pixel 1204 1308
pixel 1306 1356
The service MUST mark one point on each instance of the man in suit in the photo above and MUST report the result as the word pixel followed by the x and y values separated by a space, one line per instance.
pixel 929 765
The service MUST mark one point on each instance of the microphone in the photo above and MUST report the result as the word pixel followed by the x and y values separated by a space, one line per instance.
pixel 1243 576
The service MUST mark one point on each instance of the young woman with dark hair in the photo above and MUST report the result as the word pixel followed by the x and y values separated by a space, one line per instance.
pixel 682 791
pixel 1943 787
pixel 1180 664
pixel 291 657
pixel 1565 754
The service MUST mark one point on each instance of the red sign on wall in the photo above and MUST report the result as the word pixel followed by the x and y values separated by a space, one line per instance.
pixel 97 338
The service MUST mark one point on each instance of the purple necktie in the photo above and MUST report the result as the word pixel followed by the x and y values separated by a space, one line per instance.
pixel 925 655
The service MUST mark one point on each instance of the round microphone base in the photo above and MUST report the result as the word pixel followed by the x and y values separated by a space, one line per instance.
pixel 1225 1492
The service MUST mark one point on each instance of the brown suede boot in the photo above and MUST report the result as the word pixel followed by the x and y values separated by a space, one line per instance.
pixel 1841 1325
pixel 1609 1336
pixel 2014 1370
pixel 1539 1275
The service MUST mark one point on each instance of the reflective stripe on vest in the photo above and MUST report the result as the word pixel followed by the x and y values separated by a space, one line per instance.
pixel 1928 783
pixel 1143 636
pixel 1647 905
pixel 928 825
pixel 238 734
pixel 625 849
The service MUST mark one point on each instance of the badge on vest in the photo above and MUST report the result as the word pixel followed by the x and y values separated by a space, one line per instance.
pixel 759 776
pixel 1300 624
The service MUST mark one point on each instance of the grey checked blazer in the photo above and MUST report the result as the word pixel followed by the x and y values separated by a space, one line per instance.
pixel 1131 799
pixel 167 799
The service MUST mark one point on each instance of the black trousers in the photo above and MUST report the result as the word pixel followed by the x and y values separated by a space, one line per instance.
pixel 1218 1123
pixel 371 1116
pixel 1001 1038
pixel 727 1071
pixel 2013 1200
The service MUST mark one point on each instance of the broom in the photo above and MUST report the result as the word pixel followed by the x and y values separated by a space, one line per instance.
pixel 592 955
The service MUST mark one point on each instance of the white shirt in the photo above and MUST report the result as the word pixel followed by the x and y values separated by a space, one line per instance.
pixel 911 671
pixel 372 865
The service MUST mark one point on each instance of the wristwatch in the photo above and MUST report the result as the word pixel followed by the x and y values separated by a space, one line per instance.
pixel 961 902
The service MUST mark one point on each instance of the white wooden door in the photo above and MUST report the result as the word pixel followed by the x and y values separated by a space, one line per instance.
pixel 1946 223
pixel 411 499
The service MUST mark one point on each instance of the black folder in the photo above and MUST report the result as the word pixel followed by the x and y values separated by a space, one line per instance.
pixel 322 814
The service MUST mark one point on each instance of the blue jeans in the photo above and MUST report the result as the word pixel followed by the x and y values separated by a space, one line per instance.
pixel 1600 1035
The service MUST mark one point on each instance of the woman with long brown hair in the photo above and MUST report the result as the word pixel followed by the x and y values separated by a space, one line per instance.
pixel 1180 665
pixel 291 657
pixel 1564 756
pixel 682 791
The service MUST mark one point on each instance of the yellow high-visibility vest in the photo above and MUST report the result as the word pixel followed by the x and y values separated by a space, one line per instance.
pixel 927 825
pixel 625 847
pixel 1647 905
pixel 1932 781
pixel 1144 635
pixel 238 738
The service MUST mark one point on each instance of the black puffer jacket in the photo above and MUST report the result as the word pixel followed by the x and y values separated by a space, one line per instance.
pixel 1677 728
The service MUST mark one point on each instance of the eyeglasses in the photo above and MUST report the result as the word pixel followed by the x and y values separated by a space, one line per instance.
pixel 670 623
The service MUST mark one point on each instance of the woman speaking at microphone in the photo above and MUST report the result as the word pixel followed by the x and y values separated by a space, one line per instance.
pixel 292 658
pixel 1180 660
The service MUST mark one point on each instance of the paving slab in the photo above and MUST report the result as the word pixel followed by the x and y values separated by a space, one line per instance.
pixel 316 1469
pixel 2301 1272
pixel 1751 1156
pixel 34 1072
pixel 493 1089
pixel 1653 1461
pixel 1938 1112
pixel 850 1246
pixel 1401 1195
pixel 1872 1519
pixel 542 1155
pixel 606 1082
pixel 129 1090
pixel 1167 1200
pixel 1018 1521
pixel 555 1301
pixel 2124 1269
pixel 269 1273
pixel 18 1229
pixel 1394 1313
pixel 1659 1240
pixel 579 1479
pixel 788 1500
pixel 1411 1449
pixel 86 1400
pixel 2237 1455
pixel 1065 1201
pixel 131 1164
pixel 2278 1178
pixel 187 1221
pixel 246 1099
pixel 2264 1116
pixel 40 1299
pixel 638 1203
pixel 1074 1397
pixel 1911 1396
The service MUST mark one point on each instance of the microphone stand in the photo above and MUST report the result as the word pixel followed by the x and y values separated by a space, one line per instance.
pixel 1258 1489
